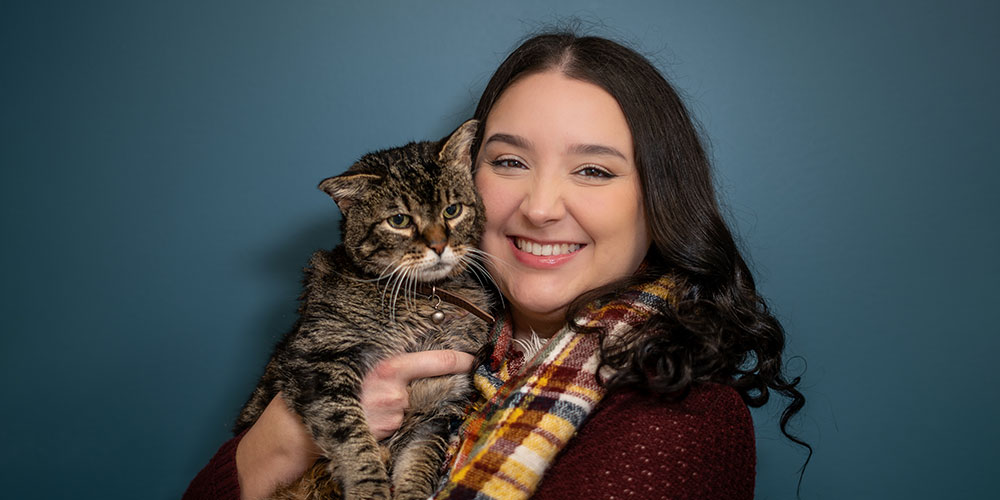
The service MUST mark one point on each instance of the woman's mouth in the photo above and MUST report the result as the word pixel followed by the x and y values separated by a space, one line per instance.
pixel 545 249
pixel 543 255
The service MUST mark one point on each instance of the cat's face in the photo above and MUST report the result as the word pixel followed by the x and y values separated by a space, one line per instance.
pixel 411 212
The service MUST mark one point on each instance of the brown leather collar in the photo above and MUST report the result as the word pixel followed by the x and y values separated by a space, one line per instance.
pixel 433 291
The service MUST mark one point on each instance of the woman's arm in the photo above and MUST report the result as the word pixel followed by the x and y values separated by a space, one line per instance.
pixel 636 447
pixel 277 448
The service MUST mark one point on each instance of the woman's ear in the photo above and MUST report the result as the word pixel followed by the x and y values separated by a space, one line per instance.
pixel 347 188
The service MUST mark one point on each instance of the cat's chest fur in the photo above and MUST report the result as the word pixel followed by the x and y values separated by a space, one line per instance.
pixel 400 320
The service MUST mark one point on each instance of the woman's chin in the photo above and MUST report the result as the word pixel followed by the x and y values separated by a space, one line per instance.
pixel 539 307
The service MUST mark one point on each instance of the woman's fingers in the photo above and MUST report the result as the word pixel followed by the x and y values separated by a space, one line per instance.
pixel 383 391
pixel 414 365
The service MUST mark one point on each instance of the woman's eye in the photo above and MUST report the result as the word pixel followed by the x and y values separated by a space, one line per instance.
pixel 452 211
pixel 507 163
pixel 399 221
pixel 592 171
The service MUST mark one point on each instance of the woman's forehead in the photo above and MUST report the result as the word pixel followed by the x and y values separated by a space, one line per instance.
pixel 552 108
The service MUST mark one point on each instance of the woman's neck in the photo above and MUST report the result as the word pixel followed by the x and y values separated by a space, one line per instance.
pixel 544 326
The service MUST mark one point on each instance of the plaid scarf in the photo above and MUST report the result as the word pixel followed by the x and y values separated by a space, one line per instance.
pixel 523 420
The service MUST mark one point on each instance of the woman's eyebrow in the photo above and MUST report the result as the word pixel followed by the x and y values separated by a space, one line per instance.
pixel 579 149
pixel 513 140
pixel 595 149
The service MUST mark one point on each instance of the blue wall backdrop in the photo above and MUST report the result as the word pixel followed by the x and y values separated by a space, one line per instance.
pixel 159 163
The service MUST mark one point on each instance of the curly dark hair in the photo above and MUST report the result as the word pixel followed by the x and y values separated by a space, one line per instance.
pixel 719 328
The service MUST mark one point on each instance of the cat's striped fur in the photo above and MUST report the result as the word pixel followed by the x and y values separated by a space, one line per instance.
pixel 410 214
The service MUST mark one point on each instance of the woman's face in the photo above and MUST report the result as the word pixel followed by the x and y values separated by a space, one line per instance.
pixel 563 201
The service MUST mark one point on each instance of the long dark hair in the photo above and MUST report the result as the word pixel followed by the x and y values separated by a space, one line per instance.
pixel 719 328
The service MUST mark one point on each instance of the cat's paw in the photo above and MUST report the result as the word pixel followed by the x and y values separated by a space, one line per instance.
pixel 411 495
pixel 369 491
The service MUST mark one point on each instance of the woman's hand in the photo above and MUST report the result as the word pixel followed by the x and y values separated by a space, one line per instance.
pixel 383 391
pixel 278 449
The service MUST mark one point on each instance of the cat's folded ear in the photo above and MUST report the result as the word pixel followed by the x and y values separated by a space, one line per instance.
pixel 346 188
pixel 457 149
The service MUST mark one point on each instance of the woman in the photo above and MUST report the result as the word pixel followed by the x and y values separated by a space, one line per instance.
pixel 607 243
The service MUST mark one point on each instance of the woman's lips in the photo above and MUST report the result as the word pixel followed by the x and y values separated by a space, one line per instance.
pixel 543 255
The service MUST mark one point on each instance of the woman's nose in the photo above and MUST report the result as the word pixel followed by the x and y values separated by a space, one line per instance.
pixel 543 203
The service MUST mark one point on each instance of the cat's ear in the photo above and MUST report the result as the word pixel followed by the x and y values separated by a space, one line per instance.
pixel 346 188
pixel 457 149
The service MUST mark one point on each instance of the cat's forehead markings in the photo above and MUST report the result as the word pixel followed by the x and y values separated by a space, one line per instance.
pixel 409 202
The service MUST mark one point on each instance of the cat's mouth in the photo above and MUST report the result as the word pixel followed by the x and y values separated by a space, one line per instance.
pixel 435 271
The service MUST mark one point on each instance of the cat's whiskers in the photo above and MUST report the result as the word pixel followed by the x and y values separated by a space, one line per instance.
pixel 385 290
pixel 409 293
pixel 477 271
pixel 473 261
pixel 409 287
pixel 381 275
pixel 487 260
pixel 407 270
pixel 389 279
pixel 417 280
pixel 391 292
pixel 480 270
pixel 397 284
pixel 484 260
pixel 482 254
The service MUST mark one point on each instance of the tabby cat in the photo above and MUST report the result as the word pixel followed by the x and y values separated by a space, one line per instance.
pixel 411 216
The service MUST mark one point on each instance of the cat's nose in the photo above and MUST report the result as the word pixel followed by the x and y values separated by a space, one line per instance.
pixel 438 246
pixel 436 238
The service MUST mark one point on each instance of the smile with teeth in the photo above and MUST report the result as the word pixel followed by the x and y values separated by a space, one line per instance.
pixel 539 249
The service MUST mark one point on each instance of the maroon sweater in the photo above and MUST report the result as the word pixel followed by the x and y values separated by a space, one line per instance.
pixel 632 447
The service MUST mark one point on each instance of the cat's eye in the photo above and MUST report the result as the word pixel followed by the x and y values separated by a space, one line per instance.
pixel 399 221
pixel 452 211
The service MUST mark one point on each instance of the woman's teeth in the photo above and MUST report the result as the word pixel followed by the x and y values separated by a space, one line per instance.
pixel 542 250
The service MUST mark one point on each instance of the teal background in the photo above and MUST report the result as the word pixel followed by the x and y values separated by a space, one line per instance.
pixel 159 163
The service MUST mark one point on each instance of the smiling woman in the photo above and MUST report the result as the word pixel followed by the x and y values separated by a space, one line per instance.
pixel 631 338
pixel 562 195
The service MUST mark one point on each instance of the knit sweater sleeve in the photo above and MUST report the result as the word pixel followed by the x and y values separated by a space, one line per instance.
pixel 218 480
pixel 635 447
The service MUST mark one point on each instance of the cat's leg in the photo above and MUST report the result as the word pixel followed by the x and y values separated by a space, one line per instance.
pixel 331 410
pixel 316 483
pixel 417 449
pixel 416 460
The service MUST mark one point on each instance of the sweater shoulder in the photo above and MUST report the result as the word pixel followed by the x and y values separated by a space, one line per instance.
pixel 708 406
pixel 712 422
pixel 700 447
pixel 218 480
